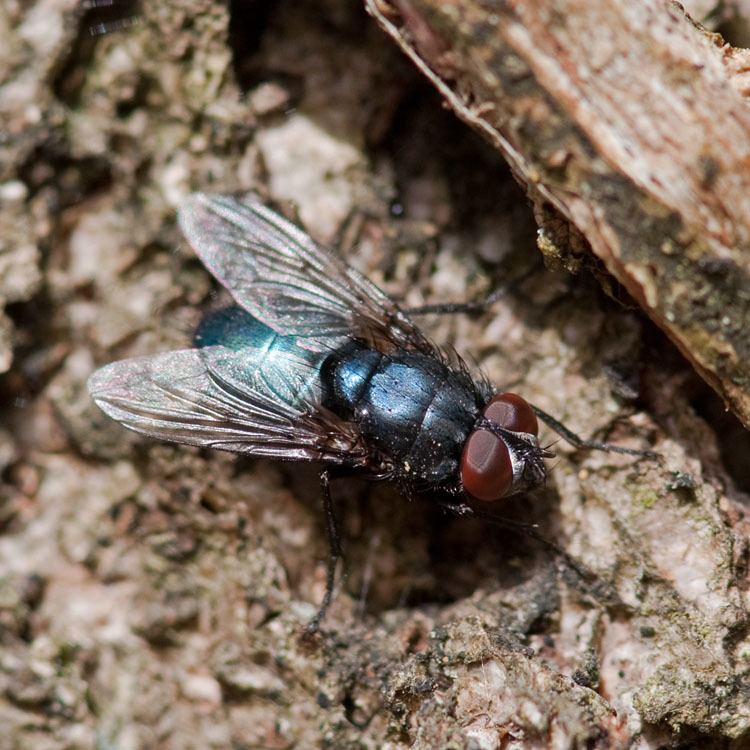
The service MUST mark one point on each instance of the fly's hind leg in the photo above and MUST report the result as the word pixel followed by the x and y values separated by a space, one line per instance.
pixel 475 306
pixel 334 552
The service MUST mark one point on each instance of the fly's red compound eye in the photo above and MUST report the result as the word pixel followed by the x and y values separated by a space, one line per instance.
pixel 512 412
pixel 486 468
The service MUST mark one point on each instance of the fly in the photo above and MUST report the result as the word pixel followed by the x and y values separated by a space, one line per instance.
pixel 314 362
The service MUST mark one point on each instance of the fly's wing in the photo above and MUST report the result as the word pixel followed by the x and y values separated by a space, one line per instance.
pixel 282 277
pixel 203 397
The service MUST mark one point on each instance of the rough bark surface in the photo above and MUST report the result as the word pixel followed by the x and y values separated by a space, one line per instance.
pixel 153 596
pixel 632 122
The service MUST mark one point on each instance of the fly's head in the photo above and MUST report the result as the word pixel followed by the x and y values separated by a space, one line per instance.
pixel 502 455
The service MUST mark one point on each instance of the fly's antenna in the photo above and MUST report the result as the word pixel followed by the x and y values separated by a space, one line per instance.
pixel 554 466
pixel 551 445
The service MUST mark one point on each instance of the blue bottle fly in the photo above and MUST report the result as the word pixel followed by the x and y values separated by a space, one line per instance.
pixel 315 363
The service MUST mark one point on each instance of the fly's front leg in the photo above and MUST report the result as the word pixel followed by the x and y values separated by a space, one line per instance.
pixel 463 510
pixel 334 546
pixel 579 442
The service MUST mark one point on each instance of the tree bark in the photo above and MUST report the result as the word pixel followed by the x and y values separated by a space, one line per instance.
pixel 155 596
pixel 632 121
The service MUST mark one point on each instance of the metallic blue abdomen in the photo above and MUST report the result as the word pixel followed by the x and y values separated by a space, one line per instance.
pixel 273 361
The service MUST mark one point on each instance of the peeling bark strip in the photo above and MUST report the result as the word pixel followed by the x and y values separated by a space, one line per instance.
pixel 631 121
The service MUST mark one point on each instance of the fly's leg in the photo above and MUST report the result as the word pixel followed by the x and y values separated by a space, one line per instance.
pixel 579 442
pixel 476 306
pixel 109 16
pixel 531 530
pixel 334 552
pixel 453 308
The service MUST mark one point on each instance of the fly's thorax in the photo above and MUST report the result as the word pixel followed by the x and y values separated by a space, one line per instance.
pixel 411 407
pixel 445 427
pixel 345 375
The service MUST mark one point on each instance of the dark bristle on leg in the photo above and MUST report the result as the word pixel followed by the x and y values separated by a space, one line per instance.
pixel 334 543
pixel 579 442
pixel 109 16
